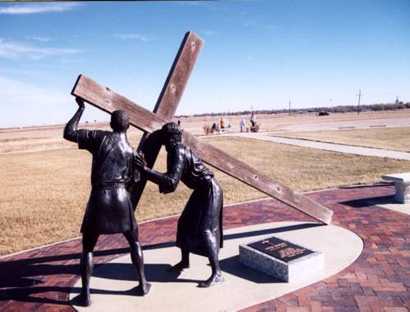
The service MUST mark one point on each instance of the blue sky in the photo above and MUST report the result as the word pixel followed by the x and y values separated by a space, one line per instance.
pixel 258 54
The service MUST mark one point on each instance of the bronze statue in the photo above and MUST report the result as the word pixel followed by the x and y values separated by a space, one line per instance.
pixel 109 208
pixel 200 225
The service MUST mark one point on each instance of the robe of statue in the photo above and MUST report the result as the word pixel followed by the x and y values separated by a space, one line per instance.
pixel 109 209
pixel 203 211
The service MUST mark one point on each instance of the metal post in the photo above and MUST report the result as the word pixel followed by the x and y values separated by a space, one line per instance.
pixel 358 101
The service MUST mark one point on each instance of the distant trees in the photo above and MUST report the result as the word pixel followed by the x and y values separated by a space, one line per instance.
pixel 332 109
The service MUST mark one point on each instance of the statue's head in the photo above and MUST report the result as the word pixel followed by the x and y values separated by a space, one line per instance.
pixel 171 134
pixel 119 121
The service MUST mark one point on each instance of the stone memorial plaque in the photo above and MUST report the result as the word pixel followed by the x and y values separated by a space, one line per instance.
pixel 281 259
pixel 280 249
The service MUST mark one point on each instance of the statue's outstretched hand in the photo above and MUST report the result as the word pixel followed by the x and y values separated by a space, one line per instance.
pixel 139 161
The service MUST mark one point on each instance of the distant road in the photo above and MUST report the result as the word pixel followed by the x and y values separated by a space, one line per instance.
pixel 340 148
pixel 348 124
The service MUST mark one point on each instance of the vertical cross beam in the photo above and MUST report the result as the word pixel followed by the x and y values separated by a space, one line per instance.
pixel 178 76
pixel 168 100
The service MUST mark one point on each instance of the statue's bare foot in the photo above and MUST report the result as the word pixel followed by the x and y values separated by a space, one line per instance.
pixel 180 266
pixel 212 281
pixel 84 299
pixel 143 289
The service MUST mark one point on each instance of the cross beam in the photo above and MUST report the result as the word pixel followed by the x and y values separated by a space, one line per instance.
pixel 168 100
pixel 109 101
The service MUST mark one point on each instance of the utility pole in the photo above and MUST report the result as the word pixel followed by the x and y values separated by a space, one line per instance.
pixel 358 101
pixel 290 105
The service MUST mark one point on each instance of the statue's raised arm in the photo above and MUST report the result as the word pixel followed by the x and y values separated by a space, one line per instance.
pixel 71 128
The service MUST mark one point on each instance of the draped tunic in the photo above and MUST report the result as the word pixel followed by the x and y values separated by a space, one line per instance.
pixel 109 209
pixel 201 219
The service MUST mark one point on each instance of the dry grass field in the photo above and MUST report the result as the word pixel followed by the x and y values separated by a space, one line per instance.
pixel 45 181
pixel 44 193
pixel 388 138
pixel 40 138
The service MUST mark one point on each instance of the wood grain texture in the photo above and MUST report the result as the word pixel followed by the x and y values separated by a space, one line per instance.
pixel 107 100
pixel 169 98
pixel 143 119
pixel 178 76
pixel 250 176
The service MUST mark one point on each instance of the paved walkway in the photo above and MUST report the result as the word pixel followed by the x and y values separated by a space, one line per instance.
pixel 379 280
pixel 341 148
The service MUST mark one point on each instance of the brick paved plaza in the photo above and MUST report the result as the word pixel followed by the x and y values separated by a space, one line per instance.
pixel 379 280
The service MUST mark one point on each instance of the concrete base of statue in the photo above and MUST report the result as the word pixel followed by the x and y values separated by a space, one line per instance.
pixel 112 283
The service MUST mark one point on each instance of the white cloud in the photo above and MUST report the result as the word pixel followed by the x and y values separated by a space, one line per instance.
pixel 20 9
pixel 26 104
pixel 249 23
pixel 21 92
pixel 272 27
pixel 209 32
pixel 39 38
pixel 133 36
pixel 17 50
pixel 191 2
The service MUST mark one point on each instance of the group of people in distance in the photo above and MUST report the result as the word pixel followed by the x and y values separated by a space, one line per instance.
pixel 253 127
pixel 244 125
pixel 221 127
pixel 117 171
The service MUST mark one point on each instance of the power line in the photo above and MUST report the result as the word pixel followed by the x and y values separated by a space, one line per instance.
pixel 358 101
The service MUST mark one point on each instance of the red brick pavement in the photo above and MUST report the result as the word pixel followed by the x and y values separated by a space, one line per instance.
pixel 379 280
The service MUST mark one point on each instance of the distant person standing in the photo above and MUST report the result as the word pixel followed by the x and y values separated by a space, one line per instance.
pixel 242 124
pixel 253 120
pixel 214 128
pixel 222 124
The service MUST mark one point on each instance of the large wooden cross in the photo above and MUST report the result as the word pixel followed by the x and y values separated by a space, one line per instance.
pixel 109 101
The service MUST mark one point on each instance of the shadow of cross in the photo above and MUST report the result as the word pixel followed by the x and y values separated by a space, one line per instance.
pixel 109 101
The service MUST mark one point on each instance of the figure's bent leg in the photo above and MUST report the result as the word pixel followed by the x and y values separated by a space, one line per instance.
pixel 184 263
pixel 86 266
pixel 213 251
pixel 137 259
